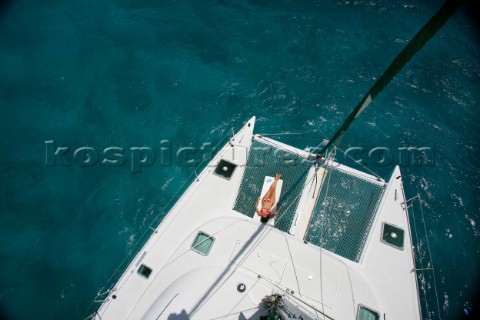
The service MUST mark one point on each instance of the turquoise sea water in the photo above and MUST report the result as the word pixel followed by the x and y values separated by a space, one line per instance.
pixel 129 74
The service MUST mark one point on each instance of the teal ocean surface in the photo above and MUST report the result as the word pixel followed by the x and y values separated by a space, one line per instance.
pixel 117 75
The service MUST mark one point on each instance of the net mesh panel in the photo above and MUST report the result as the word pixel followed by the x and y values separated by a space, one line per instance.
pixel 265 160
pixel 345 210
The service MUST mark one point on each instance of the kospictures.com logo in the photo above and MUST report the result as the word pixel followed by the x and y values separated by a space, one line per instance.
pixel 135 157
pixel 138 158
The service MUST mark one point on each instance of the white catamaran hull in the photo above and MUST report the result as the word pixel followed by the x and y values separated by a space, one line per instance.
pixel 209 260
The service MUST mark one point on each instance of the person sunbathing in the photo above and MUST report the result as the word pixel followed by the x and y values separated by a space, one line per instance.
pixel 268 202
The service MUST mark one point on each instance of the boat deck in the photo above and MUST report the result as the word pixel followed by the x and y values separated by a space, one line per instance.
pixel 345 207
pixel 172 276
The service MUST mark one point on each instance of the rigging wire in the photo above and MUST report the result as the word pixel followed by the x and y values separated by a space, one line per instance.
pixel 351 288
pixel 325 138
pixel 419 247
pixel 328 162
pixel 286 133
pixel 430 256
pixel 430 263
pixel 419 251
pixel 361 164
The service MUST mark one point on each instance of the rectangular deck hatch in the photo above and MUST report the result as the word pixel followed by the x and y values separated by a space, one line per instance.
pixel 144 271
pixel 225 169
pixel 365 313
pixel 203 243
pixel 393 235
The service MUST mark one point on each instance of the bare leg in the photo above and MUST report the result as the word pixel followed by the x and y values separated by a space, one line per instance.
pixel 271 191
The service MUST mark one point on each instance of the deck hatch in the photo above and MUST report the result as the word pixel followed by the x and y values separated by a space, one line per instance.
pixel 365 313
pixel 225 169
pixel 144 271
pixel 393 235
pixel 203 243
